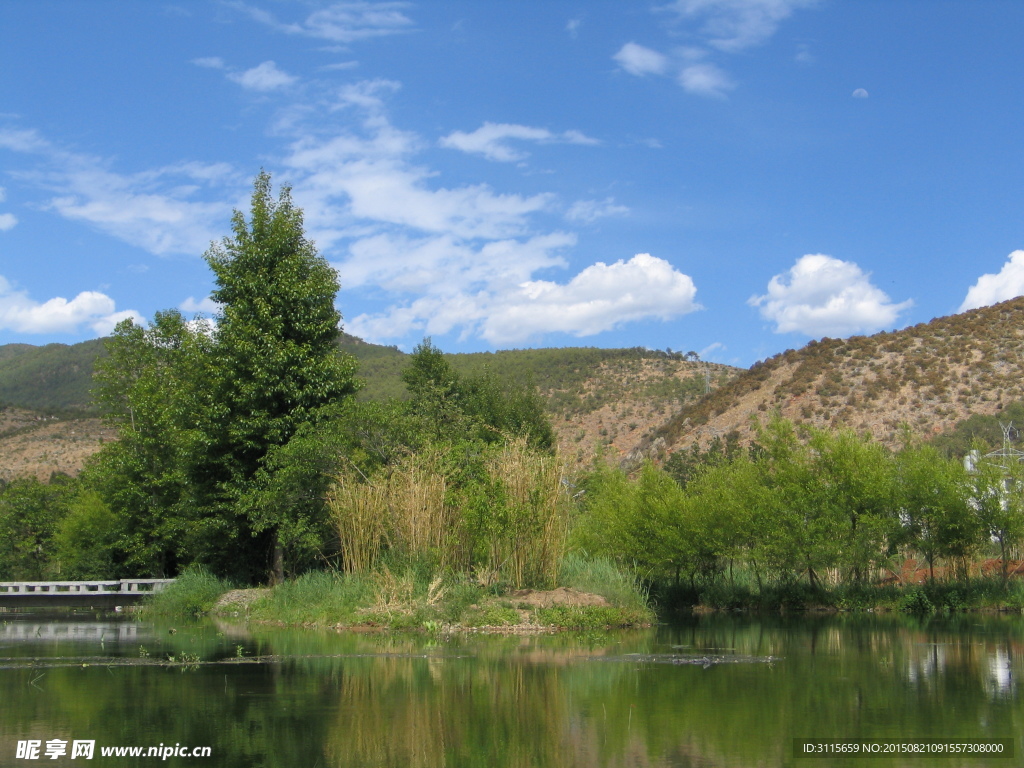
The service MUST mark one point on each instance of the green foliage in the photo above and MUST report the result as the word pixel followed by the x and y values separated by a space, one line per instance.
pixel 193 593
pixel 84 542
pixel 933 503
pixel 916 601
pixel 482 406
pixel 492 615
pixel 320 597
pixel 205 411
pixel 30 512
pixel 807 512
pixel 978 431
pixel 155 477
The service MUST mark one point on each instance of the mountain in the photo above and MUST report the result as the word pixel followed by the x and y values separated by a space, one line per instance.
pixel 625 403
pixel 929 376
pixel 598 399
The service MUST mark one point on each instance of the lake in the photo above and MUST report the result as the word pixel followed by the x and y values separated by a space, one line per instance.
pixel 712 691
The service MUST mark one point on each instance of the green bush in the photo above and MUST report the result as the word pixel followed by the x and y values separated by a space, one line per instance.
pixel 193 593
pixel 916 601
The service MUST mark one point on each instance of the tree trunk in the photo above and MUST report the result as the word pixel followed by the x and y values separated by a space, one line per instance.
pixel 277 577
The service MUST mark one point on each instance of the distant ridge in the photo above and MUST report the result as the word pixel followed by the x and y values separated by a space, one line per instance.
pixel 599 400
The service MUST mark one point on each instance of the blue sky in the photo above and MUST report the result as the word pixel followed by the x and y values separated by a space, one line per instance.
pixel 733 177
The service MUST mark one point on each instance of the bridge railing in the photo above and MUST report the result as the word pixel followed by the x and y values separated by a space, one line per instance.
pixel 70 588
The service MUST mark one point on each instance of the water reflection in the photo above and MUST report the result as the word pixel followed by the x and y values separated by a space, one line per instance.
pixel 272 697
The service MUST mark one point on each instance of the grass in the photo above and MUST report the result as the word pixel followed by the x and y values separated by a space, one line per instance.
pixel 193 593
pixel 602 577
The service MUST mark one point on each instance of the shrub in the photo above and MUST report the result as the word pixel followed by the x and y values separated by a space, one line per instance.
pixel 193 593
pixel 916 601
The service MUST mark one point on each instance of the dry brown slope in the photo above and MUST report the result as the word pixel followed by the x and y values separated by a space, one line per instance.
pixel 621 401
pixel 32 444
pixel 928 376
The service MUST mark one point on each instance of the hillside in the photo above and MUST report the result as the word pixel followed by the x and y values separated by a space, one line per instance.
pixel 929 376
pixel 598 399
pixel 53 378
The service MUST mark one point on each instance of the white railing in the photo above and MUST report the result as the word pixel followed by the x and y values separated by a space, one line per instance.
pixel 84 588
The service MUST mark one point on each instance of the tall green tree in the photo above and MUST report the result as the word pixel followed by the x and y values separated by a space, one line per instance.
pixel 932 496
pixel 203 408
pixel 276 359
pixel 152 385
pixel 854 483
pixel 995 485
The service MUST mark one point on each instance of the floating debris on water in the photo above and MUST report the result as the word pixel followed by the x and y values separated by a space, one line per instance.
pixel 693 659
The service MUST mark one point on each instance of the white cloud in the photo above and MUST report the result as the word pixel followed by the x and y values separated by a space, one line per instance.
pixel 96 310
pixel 104 326
pixel 728 26
pixel 205 306
pixel 209 62
pixel 491 140
pixel 710 349
pixel 824 296
pixel 733 25
pixel 702 79
pixel 7 221
pixel 446 265
pixel 433 258
pixel 589 211
pixel 860 93
pixel 598 299
pixel 804 55
pixel 573 27
pixel 345 22
pixel 264 77
pixel 639 61
pixel 990 289
pixel 161 222
pixel 339 66
pixel 154 209
pixel 705 80
pixel 20 140
pixel 347 180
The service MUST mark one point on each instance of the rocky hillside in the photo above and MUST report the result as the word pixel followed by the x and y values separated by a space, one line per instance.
pixel 929 376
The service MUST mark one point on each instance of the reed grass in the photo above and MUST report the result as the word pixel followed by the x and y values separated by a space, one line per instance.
pixel 358 511
pixel 532 528
pixel 509 522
